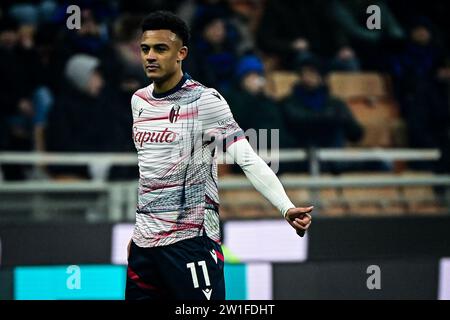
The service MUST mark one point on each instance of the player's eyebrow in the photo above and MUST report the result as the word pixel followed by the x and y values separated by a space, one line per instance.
pixel 156 45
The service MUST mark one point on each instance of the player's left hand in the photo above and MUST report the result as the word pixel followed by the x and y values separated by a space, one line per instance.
pixel 299 219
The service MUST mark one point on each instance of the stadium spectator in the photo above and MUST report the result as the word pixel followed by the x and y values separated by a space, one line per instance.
pixel 254 108
pixel 118 102
pixel 350 17
pixel 123 57
pixel 79 121
pixel 288 27
pixel 32 12
pixel 316 118
pixel 241 16
pixel 47 80
pixel 245 18
pixel 250 103
pixel 345 60
pixel 213 52
pixel 125 75
pixel 421 81
pixel 436 11
pixel 16 87
pixel 92 38
pixel 416 64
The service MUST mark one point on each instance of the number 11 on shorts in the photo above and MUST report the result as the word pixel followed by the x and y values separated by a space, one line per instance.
pixel 202 264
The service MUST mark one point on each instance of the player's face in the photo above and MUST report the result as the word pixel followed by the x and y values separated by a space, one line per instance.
pixel 161 53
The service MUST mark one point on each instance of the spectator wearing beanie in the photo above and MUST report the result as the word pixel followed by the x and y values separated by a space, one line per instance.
pixel 250 103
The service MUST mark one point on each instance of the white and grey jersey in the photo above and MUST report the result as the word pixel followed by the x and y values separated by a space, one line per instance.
pixel 176 136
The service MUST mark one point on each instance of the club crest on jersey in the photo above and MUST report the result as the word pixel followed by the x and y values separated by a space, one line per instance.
pixel 174 113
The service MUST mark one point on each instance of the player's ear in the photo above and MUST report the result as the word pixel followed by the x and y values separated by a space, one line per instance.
pixel 182 53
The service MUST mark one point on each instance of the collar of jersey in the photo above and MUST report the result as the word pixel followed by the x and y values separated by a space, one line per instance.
pixel 174 89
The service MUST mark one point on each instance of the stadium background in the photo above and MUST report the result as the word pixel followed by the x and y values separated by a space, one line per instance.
pixel 363 119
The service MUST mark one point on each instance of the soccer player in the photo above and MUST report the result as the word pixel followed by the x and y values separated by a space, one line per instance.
pixel 178 124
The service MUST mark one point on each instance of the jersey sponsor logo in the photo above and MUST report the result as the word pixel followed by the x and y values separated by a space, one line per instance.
pixel 207 293
pixel 174 113
pixel 140 111
pixel 164 136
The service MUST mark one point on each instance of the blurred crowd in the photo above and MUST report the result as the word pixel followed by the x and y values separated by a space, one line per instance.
pixel 69 90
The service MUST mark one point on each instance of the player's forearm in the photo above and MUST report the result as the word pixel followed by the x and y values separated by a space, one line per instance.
pixel 260 175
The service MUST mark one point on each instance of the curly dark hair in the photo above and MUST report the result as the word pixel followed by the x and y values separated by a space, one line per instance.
pixel 165 20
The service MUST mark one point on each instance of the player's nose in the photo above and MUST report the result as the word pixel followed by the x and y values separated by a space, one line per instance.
pixel 150 56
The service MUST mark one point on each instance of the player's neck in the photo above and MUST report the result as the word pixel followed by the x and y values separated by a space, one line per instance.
pixel 164 86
